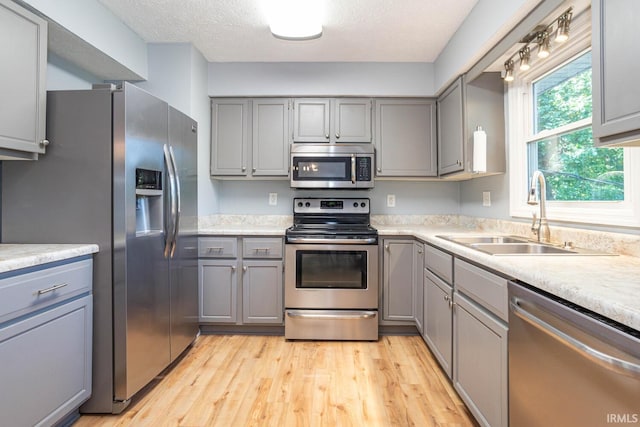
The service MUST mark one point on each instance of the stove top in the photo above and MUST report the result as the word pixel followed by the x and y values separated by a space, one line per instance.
pixel 331 219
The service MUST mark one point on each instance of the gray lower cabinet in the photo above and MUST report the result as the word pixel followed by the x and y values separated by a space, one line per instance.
pixel 262 297
pixel 332 120
pixel 250 137
pixel 616 95
pixel 45 343
pixel 463 107
pixel 418 298
pixel 218 290
pixel 438 319
pixel 405 138
pixel 241 280
pixel 398 284
pixel 480 343
pixel 23 54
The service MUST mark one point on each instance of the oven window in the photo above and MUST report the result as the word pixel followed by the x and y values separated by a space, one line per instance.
pixel 331 269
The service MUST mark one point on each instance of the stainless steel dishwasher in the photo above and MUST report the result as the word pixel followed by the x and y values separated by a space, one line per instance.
pixel 569 366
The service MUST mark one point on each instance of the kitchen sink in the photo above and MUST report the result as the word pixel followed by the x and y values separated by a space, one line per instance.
pixel 516 245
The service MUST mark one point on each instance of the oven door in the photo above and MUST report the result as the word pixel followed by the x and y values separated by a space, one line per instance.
pixel 326 276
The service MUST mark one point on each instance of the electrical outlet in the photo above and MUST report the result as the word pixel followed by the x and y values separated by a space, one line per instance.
pixel 391 200
pixel 486 198
pixel 273 199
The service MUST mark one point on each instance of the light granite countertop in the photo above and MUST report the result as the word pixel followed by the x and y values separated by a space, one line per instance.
pixel 607 285
pixel 17 256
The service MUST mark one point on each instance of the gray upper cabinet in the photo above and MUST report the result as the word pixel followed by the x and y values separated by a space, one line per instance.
pixel 271 132
pixel 405 138
pixel 463 107
pixel 229 136
pixel 250 137
pixel 23 54
pixel 342 120
pixel 616 94
pixel 451 129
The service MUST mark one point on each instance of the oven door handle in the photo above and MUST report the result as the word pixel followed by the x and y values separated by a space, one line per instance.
pixel 313 240
pixel 332 315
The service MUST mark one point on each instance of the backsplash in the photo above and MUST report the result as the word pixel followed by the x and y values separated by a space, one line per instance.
pixel 618 243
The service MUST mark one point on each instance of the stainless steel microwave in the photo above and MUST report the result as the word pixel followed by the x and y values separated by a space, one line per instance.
pixel 332 166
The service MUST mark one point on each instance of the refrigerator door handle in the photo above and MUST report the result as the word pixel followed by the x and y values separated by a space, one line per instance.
pixel 169 235
pixel 176 219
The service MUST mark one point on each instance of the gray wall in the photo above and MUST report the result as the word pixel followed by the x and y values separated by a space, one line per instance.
pixel 418 198
pixel 63 75
pixel 320 78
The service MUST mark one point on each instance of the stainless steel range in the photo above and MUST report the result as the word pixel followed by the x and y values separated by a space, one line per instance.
pixel 331 275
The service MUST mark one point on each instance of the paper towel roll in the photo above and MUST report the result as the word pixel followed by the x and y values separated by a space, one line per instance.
pixel 479 150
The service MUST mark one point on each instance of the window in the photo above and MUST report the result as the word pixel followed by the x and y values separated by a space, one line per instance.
pixel 562 148
pixel 550 130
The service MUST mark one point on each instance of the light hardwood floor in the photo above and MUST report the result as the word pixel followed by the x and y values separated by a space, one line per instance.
pixel 239 380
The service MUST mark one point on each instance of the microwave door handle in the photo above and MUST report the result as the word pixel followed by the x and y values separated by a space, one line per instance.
pixel 353 168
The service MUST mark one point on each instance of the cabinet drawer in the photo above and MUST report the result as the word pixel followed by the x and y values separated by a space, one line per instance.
pixel 217 247
pixel 439 262
pixel 487 289
pixel 262 248
pixel 28 292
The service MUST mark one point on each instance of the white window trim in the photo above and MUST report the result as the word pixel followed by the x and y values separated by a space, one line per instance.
pixel 519 124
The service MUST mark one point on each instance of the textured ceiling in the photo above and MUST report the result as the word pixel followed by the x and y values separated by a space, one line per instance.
pixel 353 30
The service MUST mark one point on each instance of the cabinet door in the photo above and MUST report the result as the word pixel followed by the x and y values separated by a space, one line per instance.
pixel 218 290
pixel 23 54
pixel 229 136
pixel 480 370
pixel 616 94
pixel 451 129
pixel 352 120
pixel 406 138
pixel 438 321
pixel 262 292
pixel 398 286
pixel 270 137
pixel 418 267
pixel 311 120
pixel 46 364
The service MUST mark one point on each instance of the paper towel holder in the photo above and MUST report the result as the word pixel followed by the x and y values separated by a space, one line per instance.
pixel 479 150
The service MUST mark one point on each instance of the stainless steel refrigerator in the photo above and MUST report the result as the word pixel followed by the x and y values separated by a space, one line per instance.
pixel 120 172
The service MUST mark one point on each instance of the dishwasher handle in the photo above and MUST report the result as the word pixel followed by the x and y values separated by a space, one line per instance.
pixel 606 361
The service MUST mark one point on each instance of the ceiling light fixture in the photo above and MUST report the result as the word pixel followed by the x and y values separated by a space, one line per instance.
pixel 544 48
pixel 525 57
pixel 508 75
pixel 564 22
pixel 295 19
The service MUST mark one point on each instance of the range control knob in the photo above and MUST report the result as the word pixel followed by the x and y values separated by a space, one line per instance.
pixel 355 204
pixel 363 204
pixel 306 205
pixel 299 204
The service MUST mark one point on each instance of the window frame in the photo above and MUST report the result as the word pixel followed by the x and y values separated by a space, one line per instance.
pixel 519 133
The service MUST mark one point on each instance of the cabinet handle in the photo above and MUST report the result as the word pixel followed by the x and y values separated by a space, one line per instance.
pixel 214 249
pixel 244 268
pixel 44 142
pixel 326 136
pixel 386 247
pixel 446 297
pixel 244 169
pixel 337 136
pixel 50 289
pixel 262 250
pixel 190 248
pixel 419 251
pixel 233 268
pixel 379 170
pixel 253 170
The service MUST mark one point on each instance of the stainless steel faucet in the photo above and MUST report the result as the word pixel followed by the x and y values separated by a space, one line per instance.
pixel 542 229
